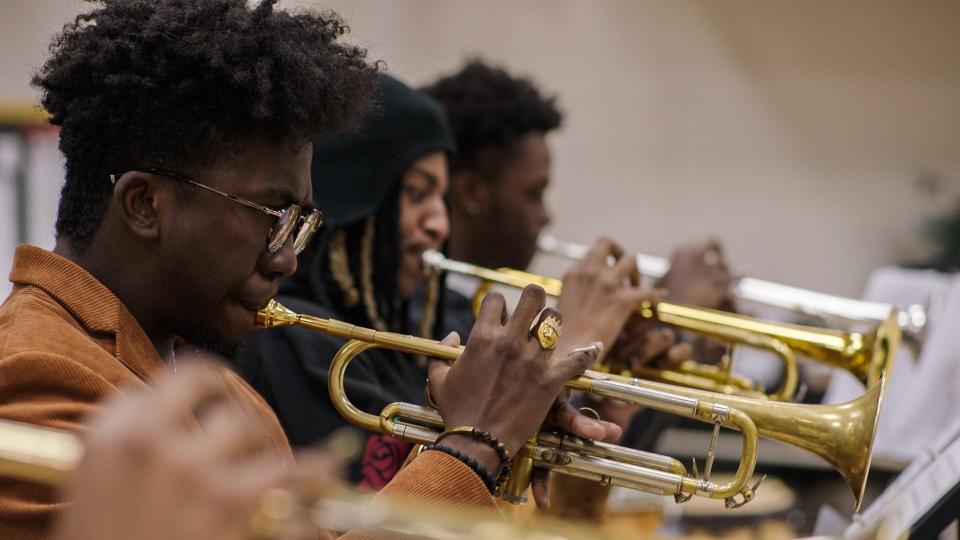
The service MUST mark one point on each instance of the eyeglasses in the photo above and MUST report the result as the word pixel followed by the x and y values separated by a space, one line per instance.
pixel 289 222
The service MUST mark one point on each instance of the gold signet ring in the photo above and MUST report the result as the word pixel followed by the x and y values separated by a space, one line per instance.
pixel 548 333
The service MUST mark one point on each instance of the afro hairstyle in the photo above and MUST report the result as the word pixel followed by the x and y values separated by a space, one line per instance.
pixel 180 84
pixel 489 109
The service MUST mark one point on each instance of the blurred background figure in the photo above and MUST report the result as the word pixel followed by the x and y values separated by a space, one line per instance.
pixel 498 178
pixel 498 183
pixel 498 210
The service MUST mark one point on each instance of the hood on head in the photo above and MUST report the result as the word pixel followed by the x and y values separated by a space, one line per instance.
pixel 353 173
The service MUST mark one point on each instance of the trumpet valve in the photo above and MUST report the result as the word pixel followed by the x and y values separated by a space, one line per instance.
pixel 515 490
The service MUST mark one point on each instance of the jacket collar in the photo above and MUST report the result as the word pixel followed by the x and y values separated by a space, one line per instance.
pixel 90 302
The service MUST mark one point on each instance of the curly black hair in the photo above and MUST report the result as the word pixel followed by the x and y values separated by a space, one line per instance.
pixel 490 109
pixel 183 83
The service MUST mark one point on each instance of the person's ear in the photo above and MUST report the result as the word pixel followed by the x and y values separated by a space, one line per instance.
pixel 470 194
pixel 137 197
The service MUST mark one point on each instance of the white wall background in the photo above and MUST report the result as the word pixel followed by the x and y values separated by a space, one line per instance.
pixel 9 156
pixel 814 138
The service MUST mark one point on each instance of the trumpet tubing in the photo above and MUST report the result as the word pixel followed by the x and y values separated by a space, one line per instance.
pixel 867 355
pixel 422 425
pixel 841 434
pixel 912 320
pixel 42 455
pixel 693 374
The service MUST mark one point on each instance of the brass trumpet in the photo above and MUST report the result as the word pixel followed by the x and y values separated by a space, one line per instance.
pixel 42 455
pixel 867 355
pixel 913 320
pixel 840 434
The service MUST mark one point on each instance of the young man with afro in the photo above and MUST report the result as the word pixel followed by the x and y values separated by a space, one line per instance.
pixel 186 127
pixel 498 179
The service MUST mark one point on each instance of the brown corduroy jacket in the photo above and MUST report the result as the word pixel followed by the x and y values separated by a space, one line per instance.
pixel 67 343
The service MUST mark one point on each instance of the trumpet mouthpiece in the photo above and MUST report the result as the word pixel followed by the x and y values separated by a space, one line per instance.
pixel 274 314
pixel 547 243
pixel 433 258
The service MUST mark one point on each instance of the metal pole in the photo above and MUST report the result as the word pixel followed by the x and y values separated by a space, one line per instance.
pixel 20 189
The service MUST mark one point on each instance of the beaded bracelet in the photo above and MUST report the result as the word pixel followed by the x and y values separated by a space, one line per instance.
pixel 485 476
pixel 487 438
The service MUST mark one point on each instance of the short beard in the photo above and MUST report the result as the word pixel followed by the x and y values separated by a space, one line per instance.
pixel 208 340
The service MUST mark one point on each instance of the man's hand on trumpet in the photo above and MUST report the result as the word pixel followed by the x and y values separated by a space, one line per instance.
pixel 600 301
pixel 699 276
pixel 641 344
pixel 644 343
pixel 507 381
pixel 598 297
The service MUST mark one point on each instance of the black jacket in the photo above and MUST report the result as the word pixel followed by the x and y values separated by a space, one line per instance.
pixel 289 367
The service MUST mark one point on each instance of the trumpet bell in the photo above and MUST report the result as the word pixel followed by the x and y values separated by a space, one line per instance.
pixel 841 434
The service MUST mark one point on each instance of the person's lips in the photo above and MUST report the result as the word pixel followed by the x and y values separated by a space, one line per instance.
pixel 411 258
pixel 256 301
pixel 416 251
pixel 250 306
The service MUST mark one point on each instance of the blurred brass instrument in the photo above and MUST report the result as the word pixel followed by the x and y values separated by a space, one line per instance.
pixel 840 434
pixel 834 311
pixel 42 455
pixel 867 355
pixel 49 456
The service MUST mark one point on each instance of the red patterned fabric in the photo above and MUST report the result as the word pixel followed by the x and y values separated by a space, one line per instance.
pixel 382 459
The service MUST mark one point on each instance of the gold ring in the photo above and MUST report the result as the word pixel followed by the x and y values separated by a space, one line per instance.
pixel 427 397
pixel 548 333
pixel 588 411
pixel 593 348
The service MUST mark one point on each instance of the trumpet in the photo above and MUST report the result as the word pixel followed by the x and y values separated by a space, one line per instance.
pixel 840 434
pixel 867 355
pixel 49 456
pixel 913 320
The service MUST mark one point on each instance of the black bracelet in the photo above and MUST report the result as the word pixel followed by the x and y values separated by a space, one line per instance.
pixel 488 439
pixel 506 462
pixel 485 476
